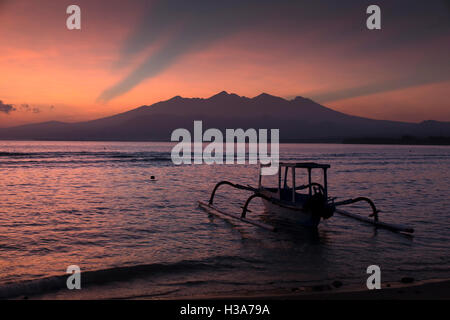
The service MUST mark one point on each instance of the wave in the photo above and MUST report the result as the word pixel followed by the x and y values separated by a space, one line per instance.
pixel 118 274
pixel 81 158
pixel 14 154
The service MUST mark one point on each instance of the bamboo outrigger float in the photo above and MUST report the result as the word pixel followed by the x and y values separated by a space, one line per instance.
pixel 306 209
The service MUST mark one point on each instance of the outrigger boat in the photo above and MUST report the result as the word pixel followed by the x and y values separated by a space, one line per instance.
pixel 305 204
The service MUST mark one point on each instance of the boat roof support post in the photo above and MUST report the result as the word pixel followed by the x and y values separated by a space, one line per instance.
pixel 279 184
pixel 325 182
pixel 309 181
pixel 293 185
pixel 285 177
pixel 260 178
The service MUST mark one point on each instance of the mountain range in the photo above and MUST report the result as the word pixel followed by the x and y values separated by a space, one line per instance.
pixel 299 119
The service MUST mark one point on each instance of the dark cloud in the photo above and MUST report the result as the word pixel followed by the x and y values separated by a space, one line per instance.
pixel 34 109
pixel 184 27
pixel 191 26
pixel 430 74
pixel 6 108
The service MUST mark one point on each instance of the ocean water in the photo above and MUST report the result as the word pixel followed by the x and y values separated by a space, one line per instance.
pixel 92 204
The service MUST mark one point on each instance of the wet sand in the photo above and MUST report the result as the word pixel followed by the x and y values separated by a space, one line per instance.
pixel 420 290
pixel 417 290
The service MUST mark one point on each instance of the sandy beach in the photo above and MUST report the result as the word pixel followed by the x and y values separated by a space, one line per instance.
pixel 420 290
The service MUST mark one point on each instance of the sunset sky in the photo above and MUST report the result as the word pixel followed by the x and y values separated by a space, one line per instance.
pixel 133 53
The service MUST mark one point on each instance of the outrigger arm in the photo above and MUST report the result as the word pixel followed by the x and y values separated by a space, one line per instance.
pixel 234 185
pixel 375 211
pixel 211 209
pixel 376 222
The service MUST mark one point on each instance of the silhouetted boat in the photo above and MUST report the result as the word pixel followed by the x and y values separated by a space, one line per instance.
pixel 288 202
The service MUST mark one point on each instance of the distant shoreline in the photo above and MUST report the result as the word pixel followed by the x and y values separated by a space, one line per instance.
pixel 407 141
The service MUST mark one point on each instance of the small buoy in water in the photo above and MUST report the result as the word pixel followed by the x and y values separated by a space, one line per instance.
pixel 152 178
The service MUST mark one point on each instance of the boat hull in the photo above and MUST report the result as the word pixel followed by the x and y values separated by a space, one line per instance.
pixel 304 218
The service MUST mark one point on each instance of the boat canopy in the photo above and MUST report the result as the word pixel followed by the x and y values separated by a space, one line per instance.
pixel 306 165
pixel 292 166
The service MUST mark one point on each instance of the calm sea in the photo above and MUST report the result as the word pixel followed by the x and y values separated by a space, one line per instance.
pixel 92 204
